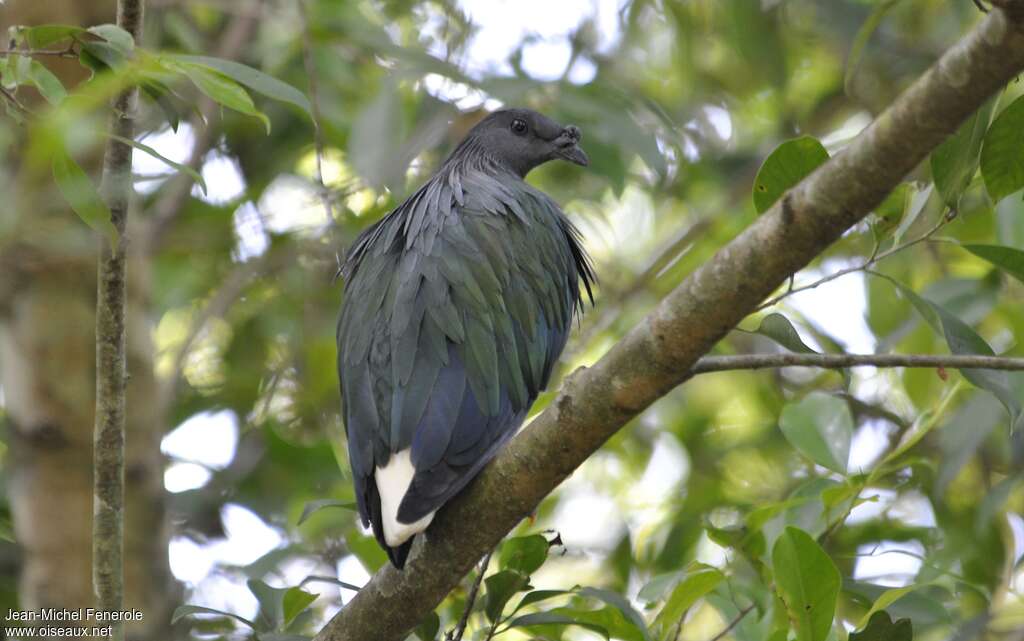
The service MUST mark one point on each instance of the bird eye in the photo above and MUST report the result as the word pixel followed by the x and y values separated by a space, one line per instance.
pixel 518 127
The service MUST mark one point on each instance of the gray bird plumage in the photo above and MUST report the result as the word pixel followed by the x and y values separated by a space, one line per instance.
pixel 457 305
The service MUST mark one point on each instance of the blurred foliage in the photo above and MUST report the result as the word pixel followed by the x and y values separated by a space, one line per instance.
pixel 731 504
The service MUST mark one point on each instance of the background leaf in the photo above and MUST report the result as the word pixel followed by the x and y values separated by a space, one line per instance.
pixel 499 588
pixel 683 596
pixel 254 79
pixel 222 90
pixel 81 194
pixel 807 581
pixel 1002 165
pixel 1008 259
pixel 821 427
pixel 882 628
pixel 791 161
pixel 48 84
pixel 955 161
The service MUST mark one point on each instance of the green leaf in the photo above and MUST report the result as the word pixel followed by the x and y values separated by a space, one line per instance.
pixel 778 328
pixel 295 601
pixel 271 602
pixel 524 554
pixel 188 610
pixel 923 307
pixel 821 427
pixel 917 205
pixel 47 83
pixel 790 163
pixel 176 165
pixel 254 79
pixel 366 550
pixel 314 506
pixel 556 618
pixel 100 56
pixel 655 589
pixel 6 531
pixel 44 35
pixel 536 596
pixel 1002 163
pixel 162 96
pixel 882 628
pixel 886 599
pixel 222 90
pixel 500 587
pixel 428 628
pixel 81 194
pixel 955 161
pixel 117 37
pixel 920 605
pixel 693 587
pixel 962 339
pixel 618 602
pixel 1008 259
pixel 807 581
pixel 890 212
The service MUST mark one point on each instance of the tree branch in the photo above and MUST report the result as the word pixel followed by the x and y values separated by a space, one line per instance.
pixel 111 374
pixel 840 361
pixel 59 53
pixel 659 353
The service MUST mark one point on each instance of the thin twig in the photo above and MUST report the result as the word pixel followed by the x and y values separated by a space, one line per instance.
pixel 840 361
pixel 111 360
pixel 11 98
pixel 735 622
pixel 314 100
pixel 61 53
pixel 874 258
pixel 460 628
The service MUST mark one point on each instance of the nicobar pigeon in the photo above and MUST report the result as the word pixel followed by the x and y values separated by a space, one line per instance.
pixel 457 305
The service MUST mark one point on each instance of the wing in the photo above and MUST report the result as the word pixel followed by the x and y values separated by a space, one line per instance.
pixel 452 323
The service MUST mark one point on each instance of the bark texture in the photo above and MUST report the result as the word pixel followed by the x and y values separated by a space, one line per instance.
pixel 111 360
pixel 658 354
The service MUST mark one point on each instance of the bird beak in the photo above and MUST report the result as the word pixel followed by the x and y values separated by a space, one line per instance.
pixel 568 148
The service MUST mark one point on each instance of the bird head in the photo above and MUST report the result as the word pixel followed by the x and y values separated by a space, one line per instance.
pixel 521 139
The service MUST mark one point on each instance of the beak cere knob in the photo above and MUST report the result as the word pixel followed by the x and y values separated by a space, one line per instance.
pixel 568 146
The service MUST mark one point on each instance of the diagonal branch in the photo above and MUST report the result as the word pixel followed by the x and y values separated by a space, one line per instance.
pixel 659 353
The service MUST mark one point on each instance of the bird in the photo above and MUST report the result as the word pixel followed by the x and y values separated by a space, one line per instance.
pixel 456 306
